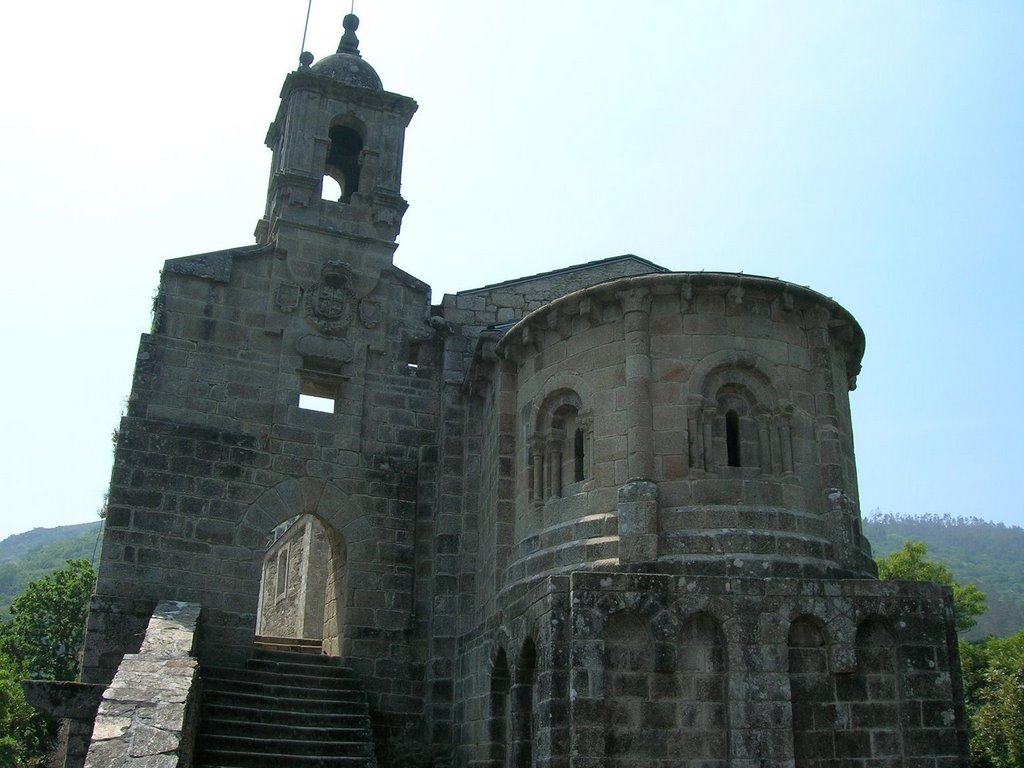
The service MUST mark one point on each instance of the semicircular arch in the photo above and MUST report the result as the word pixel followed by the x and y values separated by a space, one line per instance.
pixel 735 367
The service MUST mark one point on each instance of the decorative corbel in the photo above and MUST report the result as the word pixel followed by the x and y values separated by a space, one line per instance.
pixel 735 294
pixel 685 296
pixel 591 309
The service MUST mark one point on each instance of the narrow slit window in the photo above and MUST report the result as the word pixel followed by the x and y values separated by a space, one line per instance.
pixel 529 475
pixel 732 438
pixel 413 357
pixel 579 456
pixel 282 574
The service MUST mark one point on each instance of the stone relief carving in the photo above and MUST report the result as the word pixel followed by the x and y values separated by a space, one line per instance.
pixel 370 313
pixel 287 297
pixel 329 303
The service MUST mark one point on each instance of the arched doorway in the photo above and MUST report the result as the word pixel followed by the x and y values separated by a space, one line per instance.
pixel 302 586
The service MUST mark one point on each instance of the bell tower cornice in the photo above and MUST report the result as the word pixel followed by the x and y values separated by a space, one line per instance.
pixel 303 79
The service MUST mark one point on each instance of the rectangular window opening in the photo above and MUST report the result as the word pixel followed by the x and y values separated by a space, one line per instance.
pixel 318 390
pixel 316 403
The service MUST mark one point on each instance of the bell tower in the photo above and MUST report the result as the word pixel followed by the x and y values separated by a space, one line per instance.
pixel 337 140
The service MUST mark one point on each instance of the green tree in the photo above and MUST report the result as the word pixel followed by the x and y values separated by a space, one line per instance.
pixel 40 640
pixel 25 735
pixel 994 692
pixel 48 622
pixel 911 564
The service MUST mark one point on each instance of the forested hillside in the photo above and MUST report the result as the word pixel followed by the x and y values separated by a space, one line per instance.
pixel 25 557
pixel 990 555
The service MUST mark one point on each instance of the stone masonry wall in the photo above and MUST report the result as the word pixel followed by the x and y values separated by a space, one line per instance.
pixel 215 453
pixel 147 717
pixel 512 679
pixel 605 668
pixel 653 402
pixel 475 442
pixel 673 670
pixel 513 299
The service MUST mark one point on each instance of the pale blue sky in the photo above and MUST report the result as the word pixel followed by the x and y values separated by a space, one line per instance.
pixel 871 150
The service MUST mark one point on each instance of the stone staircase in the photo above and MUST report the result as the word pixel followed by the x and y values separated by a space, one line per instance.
pixel 284 709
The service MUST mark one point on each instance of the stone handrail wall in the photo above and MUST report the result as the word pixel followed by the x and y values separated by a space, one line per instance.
pixel 146 717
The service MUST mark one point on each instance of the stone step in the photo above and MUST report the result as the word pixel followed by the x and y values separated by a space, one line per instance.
pixel 294 644
pixel 234 723
pixel 296 702
pixel 215 759
pixel 273 654
pixel 292 747
pixel 226 676
pixel 277 687
pixel 318 718
pixel 293 667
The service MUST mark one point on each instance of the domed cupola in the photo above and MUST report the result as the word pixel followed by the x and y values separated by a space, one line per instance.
pixel 347 66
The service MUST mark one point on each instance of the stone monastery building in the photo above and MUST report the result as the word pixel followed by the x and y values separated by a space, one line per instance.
pixel 601 516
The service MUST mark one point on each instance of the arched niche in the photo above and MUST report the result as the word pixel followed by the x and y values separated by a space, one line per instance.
pixel 524 707
pixel 872 693
pixel 498 716
pixel 702 683
pixel 629 672
pixel 812 696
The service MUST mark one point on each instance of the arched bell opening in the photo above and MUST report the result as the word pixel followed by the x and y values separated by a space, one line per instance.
pixel 344 155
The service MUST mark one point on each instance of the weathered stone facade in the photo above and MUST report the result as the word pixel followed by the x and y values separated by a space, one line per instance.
pixel 605 515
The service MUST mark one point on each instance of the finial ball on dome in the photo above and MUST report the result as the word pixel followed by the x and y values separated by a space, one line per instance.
pixel 305 59
pixel 347 66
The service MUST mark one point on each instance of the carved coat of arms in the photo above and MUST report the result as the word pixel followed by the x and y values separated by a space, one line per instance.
pixel 329 303
pixel 370 313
